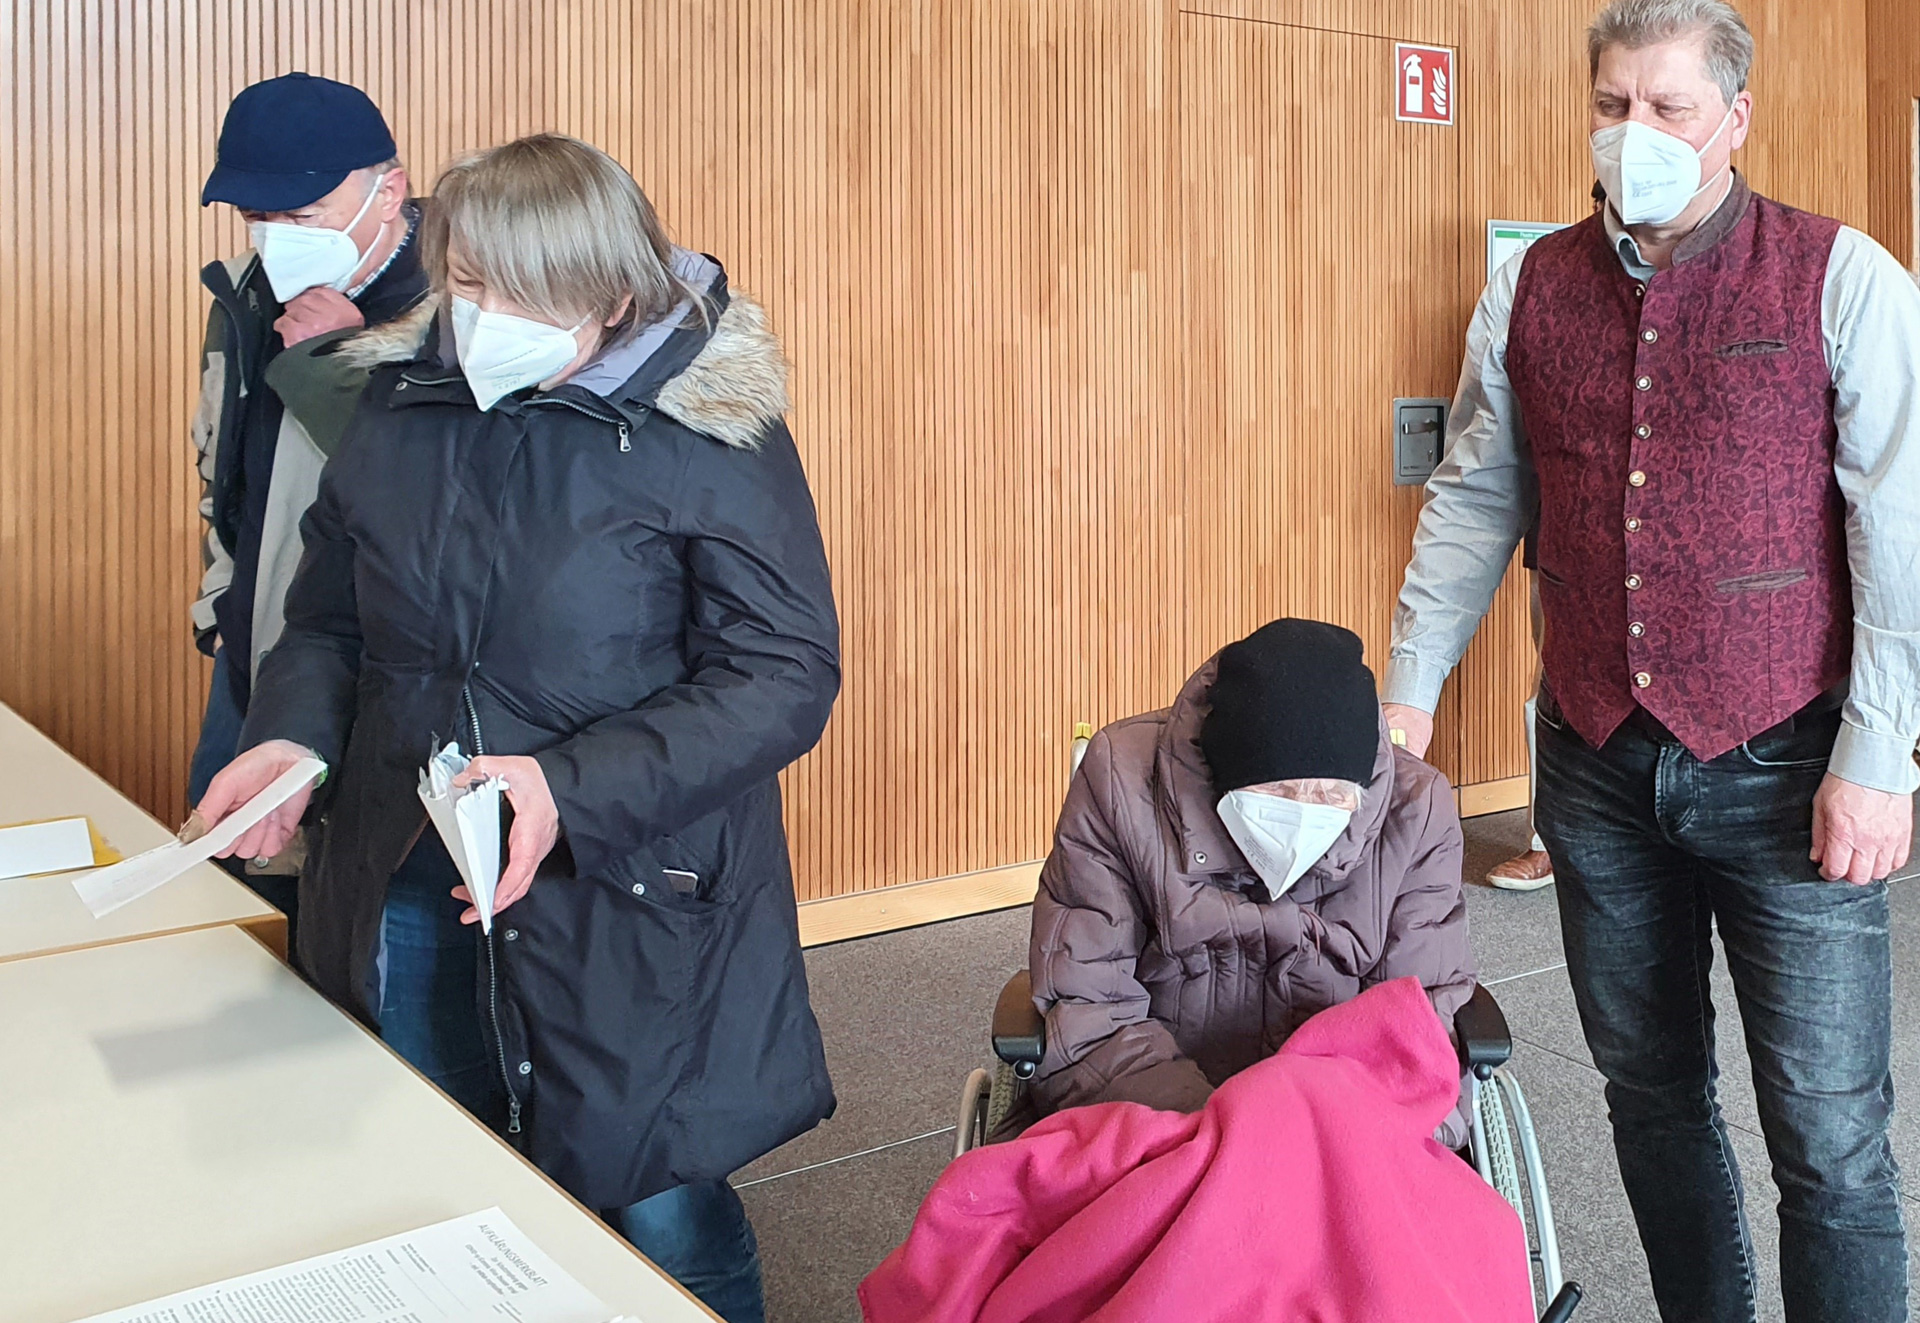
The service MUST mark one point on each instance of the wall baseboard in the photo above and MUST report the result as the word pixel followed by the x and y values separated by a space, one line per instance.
pixel 911 904
pixel 1493 796
pixel 886 909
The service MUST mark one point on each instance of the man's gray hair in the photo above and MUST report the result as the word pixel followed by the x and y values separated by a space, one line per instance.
pixel 1633 24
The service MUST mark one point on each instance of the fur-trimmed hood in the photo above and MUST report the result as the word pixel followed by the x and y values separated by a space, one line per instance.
pixel 732 390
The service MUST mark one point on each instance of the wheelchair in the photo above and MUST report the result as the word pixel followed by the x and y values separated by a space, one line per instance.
pixel 1502 1145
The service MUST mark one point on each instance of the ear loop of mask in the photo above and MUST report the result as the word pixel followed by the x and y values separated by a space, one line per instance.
pixel 347 230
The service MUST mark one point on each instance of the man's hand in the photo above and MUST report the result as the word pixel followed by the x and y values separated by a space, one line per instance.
pixel 1415 724
pixel 315 312
pixel 245 777
pixel 1860 834
pixel 536 826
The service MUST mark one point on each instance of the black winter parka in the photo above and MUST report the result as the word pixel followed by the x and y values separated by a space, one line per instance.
pixel 632 589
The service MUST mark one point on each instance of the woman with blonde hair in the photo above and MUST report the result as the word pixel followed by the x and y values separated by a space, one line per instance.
pixel 568 528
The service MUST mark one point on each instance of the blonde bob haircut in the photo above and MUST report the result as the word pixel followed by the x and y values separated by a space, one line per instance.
pixel 560 228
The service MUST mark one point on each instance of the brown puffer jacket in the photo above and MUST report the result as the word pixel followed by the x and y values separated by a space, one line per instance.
pixel 1158 973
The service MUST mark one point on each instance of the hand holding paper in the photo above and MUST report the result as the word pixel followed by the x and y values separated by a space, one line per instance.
pixel 107 889
pixel 243 779
pixel 536 823
pixel 463 799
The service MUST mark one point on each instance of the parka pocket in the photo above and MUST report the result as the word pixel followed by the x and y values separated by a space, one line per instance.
pixel 666 874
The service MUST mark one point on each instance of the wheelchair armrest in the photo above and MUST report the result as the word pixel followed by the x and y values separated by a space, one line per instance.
pixel 1481 1031
pixel 1019 1031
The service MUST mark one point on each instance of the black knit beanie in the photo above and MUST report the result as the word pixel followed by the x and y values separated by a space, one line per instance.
pixel 1291 700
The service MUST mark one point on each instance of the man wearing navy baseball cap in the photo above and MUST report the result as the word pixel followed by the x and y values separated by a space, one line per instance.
pixel 312 168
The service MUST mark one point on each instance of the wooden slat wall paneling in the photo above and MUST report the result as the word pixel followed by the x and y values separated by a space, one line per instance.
pixel 1893 126
pixel 1430 22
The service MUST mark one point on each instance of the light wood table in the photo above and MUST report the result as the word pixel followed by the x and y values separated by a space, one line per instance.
pixel 39 779
pixel 183 1109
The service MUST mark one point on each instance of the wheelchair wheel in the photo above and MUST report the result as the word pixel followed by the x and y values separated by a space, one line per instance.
pixel 970 1131
pixel 1509 1159
pixel 1008 1090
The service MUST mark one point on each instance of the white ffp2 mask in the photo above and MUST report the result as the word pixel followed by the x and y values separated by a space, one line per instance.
pixel 1281 838
pixel 501 353
pixel 1650 176
pixel 298 258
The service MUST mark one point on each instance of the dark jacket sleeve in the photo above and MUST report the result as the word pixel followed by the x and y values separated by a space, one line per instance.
pixel 1089 928
pixel 762 659
pixel 305 689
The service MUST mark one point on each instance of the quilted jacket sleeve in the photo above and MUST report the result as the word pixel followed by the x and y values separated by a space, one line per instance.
pixel 1089 928
pixel 1427 930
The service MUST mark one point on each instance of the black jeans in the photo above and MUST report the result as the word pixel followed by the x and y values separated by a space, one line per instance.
pixel 1653 850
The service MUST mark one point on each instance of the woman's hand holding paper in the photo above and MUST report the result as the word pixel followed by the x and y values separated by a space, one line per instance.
pixel 536 826
pixel 245 777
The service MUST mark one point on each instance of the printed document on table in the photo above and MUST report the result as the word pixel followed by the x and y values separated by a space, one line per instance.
pixel 466 1270
pixel 106 889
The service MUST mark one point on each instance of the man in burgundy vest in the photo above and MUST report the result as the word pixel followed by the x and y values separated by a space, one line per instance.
pixel 1711 402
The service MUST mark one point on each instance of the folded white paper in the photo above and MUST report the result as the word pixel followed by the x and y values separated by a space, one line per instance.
pixel 470 1268
pixel 45 847
pixel 106 889
pixel 468 820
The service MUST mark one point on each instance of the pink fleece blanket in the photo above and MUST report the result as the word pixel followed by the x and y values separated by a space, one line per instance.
pixel 1309 1188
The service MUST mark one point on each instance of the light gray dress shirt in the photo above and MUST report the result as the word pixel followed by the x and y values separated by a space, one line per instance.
pixel 1484 495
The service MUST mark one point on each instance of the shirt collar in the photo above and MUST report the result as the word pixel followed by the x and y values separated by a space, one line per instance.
pixel 412 215
pixel 1718 222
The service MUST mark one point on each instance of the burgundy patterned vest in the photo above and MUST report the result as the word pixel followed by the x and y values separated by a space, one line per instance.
pixel 1692 536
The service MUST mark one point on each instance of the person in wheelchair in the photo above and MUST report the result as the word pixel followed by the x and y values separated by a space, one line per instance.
pixel 1227 867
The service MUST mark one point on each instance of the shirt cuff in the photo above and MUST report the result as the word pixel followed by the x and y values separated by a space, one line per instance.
pixel 1413 683
pixel 1874 759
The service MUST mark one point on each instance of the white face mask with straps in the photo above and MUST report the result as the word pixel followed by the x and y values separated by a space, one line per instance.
pixel 1281 838
pixel 298 258
pixel 1651 176
pixel 501 353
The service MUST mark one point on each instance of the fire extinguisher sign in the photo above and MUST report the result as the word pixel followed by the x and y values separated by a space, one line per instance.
pixel 1423 83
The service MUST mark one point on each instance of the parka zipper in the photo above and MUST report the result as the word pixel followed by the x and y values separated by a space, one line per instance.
pixel 493 971
pixel 625 428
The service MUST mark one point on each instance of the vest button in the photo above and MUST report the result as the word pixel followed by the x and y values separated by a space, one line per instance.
pixel 1636 629
pixel 639 888
pixel 1637 478
pixel 1643 383
pixel 1633 525
pixel 1643 431
pixel 1639 291
pixel 1642 679
pixel 1633 583
pixel 1649 335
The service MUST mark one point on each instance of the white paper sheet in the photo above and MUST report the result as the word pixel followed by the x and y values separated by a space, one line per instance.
pixel 468 820
pixel 45 847
pixel 460 1271
pixel 106 889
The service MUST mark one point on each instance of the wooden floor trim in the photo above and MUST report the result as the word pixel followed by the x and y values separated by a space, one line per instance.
pixel 886 909
pixel 1493 796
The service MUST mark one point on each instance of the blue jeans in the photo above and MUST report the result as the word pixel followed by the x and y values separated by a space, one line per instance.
pixel 431 965
pixel 219 741
pixel 1654 850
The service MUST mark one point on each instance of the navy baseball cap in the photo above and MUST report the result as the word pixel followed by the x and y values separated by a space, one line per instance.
pixel 292 140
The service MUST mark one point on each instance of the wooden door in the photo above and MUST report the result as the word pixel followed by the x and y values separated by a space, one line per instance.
pixel 1318 281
